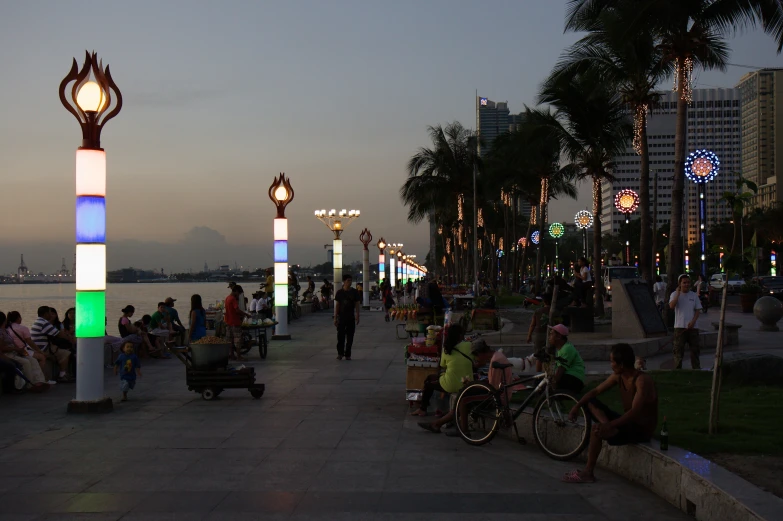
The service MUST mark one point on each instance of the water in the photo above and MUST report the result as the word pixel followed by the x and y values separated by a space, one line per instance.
pixel 26 298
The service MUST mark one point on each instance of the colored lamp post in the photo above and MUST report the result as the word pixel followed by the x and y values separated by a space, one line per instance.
pixel 584 220
pixel 701 167
pixel 281 193
pixel 392 269
pixel 381 261
pixel 337 222
pixel 365 237
pixel 626 201
pixel 773 263
pixel 89 100
pixel 400 262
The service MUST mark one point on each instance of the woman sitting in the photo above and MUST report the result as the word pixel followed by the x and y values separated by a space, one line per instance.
pixel 130 332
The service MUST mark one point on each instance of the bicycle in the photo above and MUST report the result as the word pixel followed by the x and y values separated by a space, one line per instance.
pixel 480 412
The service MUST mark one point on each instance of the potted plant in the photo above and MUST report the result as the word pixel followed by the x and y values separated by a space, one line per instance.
pixel 749 294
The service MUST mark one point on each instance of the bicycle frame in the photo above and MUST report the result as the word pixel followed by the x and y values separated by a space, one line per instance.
pixel 541 388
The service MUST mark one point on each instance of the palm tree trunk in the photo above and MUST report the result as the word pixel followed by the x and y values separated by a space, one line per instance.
pixel 674 260
pixel 645 241
pixel 541 226
pixel 598 280
pixel 433 242
pixel 524 251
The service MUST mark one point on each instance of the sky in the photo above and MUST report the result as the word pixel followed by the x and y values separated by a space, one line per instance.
pixel 219 97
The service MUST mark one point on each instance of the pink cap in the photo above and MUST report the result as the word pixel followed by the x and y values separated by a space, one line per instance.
pixel 560 329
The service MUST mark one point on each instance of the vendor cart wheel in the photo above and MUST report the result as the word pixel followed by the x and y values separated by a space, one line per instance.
pixel 262 346
pixel 256 393
pixel 209 394
pixel 247 342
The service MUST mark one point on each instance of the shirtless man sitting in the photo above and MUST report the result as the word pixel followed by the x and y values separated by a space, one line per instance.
pixel 636 424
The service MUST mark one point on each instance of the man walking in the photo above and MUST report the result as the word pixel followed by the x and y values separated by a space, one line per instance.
pixel 233 320
pixel 346 305
pixel 686 306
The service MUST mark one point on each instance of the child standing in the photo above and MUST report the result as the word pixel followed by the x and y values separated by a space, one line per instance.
pixel 128 367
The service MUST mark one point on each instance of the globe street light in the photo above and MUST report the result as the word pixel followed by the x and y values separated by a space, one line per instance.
pixel 626 201
pixel 556 230
pixel 337 222
pixel 583 220
pixel 365 237
pixel 89 99
pixel 281 193
pixel 701 167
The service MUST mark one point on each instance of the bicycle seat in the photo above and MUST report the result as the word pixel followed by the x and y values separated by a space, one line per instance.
pixel 498 365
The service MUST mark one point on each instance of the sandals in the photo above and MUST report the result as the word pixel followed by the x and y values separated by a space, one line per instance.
pixel 419 412
pixel 427 426
pixel 575 477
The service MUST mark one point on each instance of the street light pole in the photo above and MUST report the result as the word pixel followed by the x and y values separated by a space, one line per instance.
pixel 381 261
pixel 337 222
pixel 89 100
pixel 365 237
pixel 281 193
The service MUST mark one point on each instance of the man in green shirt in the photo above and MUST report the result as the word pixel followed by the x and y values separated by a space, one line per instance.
pixel 570 373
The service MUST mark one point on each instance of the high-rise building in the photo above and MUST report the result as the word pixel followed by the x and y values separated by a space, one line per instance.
pixel 492 120
pixel 713 124
pixel 762 154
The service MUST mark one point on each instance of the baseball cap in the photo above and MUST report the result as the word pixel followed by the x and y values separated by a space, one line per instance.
pixel 560 329
pixel 169 299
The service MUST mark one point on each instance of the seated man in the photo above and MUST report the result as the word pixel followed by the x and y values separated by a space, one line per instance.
pixel 174 321
pixel 51 342
pixel 640 411
pixel 21 337
pixel 159 327
pixel 570 373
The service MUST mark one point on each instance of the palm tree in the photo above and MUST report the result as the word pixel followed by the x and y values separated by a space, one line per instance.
pixel 437 176
pixel 526 160
pixel 689 34
pixel 592 128
pixel 633 65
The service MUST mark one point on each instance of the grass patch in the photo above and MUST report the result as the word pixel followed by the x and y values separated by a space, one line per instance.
pixel 751 417
pixel 510 300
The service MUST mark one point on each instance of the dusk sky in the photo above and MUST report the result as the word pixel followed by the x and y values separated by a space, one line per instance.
pixel 221 96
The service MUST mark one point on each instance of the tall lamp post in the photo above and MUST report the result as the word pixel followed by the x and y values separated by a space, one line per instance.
pixel 281 193
pixel 392 268
pixel 626 201
pixel 556 230
pixel 701 167
pixel 337 222
pixel 88 100
pixel 365 237
pixel 381 261
pixel 583 220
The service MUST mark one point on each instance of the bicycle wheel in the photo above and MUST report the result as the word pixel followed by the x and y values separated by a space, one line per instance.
pixel 559 437
pixel 477 414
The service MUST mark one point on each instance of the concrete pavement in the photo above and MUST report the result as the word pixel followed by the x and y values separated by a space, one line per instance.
pixel 328 441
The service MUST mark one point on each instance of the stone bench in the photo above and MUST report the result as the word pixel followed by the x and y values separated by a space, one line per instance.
pixel 732 332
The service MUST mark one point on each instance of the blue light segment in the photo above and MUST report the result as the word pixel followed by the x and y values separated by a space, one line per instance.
pixel 281 251
pixel 90 219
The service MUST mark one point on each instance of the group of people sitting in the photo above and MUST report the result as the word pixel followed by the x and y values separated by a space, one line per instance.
pixel 39 356
pixel 461 360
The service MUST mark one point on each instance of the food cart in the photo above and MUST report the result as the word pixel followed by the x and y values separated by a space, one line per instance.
pixel 422 357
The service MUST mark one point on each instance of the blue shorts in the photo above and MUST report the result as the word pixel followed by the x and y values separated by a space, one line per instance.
pixel 127 385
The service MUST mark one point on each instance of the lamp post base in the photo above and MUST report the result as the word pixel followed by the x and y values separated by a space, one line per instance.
pixel 281 337
pixel 90 407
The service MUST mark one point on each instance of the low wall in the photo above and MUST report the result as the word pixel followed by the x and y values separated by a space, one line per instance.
pixel 695 485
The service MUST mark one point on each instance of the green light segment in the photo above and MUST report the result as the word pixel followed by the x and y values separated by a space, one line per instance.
pixel 90 314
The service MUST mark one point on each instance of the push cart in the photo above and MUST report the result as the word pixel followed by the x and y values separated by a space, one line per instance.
pixel 255 334
pixel 207 371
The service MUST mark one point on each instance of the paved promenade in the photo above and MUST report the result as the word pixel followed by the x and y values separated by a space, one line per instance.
pixel 328 441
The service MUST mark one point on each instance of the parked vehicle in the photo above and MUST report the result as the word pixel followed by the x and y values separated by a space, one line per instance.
pixel 772 286
pixel 718 279
pixel 612 273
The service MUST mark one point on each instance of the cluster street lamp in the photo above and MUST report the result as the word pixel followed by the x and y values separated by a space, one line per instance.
pixel 89 99
pixel 365 237
pixel 626 201
pixel 381 261
pixel 583 220
pixel 701 167
pixel 281 193
pixel 556 230
pixel 337 222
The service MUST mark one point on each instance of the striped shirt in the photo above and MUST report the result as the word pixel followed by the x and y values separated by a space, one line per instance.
pixel 41 331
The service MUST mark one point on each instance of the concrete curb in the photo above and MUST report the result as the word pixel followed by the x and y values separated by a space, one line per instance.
pixel 694 484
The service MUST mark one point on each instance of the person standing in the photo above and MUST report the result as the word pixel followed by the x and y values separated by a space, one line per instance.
pixel 198 319
pixel 686 306
pixel 346 304
pixel 659 290
pixel 128 367
pixel 233 319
